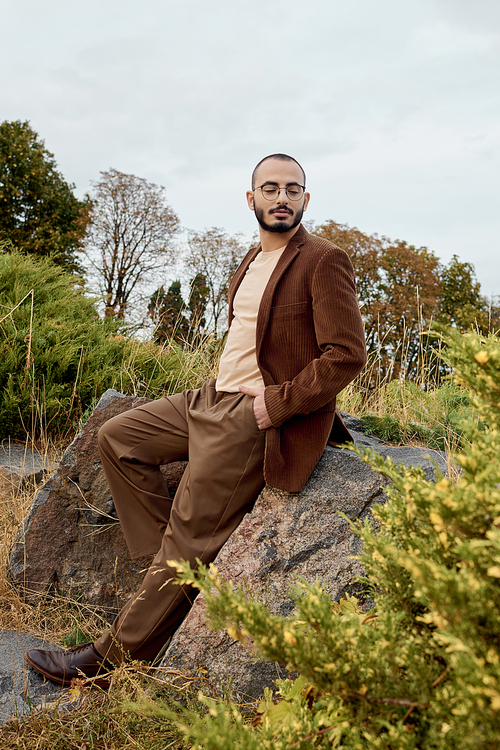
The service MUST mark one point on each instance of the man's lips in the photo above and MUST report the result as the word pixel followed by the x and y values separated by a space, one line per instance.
pixel 281 211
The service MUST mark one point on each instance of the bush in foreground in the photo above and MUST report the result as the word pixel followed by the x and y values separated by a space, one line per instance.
pixel 422 670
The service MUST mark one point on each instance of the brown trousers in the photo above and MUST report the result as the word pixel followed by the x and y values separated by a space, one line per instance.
pixel 219 435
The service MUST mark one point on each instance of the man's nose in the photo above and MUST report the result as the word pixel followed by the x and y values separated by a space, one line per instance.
pixel 282 196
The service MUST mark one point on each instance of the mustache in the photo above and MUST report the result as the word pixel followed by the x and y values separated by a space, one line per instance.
pixel 283 208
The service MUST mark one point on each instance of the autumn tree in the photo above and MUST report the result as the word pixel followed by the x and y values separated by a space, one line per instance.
pixel 398 287
pixel 39 212
pixel 214 256
pixel 410 288
pixel 129 237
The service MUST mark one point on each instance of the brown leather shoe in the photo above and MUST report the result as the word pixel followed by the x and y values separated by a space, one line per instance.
pixel 63 666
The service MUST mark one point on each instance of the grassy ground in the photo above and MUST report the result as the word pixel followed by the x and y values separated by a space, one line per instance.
pixel 91 719
pixel 406 414
pixel 417 412
pixel 396 411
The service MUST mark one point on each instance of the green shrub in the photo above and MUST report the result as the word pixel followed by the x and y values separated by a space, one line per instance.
pixel 57 356
pixel 422 670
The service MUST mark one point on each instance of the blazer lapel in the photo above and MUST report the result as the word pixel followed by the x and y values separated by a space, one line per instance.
pixel 289 253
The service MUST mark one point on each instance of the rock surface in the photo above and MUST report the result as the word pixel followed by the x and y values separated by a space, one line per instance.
pixel 289 536
pixel 71 541
pixel 20 464
pixel 22 690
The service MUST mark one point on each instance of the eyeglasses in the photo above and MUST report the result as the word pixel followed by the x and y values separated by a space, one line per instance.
pixel 270 191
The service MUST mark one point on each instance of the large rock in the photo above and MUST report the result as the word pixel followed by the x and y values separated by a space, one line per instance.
pixel 71 541
pixel 289 536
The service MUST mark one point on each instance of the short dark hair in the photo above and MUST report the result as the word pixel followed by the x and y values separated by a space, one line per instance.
pixel 280 157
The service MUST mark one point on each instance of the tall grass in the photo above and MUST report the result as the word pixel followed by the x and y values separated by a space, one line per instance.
pixel 402 412
pixel 427 409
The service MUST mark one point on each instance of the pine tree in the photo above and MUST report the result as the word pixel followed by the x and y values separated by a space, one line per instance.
pixel 166 310
pixel 197 305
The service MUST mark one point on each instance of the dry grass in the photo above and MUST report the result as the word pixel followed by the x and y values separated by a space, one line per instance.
pixel 424 411
pixel 89 719
pixel 199 362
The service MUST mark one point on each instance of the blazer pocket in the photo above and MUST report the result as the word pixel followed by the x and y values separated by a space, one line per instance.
pixel 290 313
pixel 305 304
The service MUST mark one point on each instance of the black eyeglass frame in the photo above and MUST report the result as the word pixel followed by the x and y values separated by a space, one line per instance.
pixel 274 184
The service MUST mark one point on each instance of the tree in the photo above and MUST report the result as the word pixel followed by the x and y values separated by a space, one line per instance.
pixel 166 310
pixel 38 211
pixel 398 286
pixel 173 319
pixel 198 300
pixel 365 252
pixel 131 231
pixel 461 303
pixel 215 256
pixel 410 290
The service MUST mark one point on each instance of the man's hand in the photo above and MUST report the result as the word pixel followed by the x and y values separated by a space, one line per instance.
pixel 259 406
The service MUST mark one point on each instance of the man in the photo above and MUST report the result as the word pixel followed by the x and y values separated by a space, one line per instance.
pixel 295 341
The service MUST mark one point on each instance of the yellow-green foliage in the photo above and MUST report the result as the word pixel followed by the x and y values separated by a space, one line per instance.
pixel 422 670
pixel 57 356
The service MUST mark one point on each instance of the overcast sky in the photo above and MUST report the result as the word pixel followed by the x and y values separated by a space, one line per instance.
pixel 392 107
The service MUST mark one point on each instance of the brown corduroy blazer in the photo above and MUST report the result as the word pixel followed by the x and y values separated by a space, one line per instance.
pixel 310 344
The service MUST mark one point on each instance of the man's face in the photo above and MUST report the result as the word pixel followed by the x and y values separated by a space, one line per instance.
pixel 281 214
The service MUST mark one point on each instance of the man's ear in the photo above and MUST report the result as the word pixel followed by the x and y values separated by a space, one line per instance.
pixel 250 200
pixel 306 200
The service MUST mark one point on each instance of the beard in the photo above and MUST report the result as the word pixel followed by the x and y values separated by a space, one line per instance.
pixel 280 226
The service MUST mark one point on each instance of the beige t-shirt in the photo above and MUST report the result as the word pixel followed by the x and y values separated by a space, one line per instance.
pixel 238 364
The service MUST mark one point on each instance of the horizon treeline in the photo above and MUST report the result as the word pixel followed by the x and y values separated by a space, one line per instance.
pixel 122 240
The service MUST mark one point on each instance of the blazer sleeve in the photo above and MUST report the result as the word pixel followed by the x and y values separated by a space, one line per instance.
pixel 339 333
